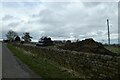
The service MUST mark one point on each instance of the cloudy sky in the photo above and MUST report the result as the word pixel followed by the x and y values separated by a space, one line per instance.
pixel 60 20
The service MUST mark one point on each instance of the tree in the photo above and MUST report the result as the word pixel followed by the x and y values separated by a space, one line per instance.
pixel 11 35
pixel 17 39
pixel 45 40
pixel 26 37
pixel 68 41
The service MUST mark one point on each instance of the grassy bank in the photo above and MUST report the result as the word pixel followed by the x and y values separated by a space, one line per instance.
pixel 114 49
pixel 42 66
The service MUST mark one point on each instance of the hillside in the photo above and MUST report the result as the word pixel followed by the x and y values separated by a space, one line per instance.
pixel 87 45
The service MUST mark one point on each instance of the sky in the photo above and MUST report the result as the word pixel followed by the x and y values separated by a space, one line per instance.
pixel 60 20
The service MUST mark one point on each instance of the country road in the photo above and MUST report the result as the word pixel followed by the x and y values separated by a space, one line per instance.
pixel 0 60
pixel 12 67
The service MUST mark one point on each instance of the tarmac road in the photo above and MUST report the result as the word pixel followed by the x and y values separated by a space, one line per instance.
pixel 12 67
pixel 0 60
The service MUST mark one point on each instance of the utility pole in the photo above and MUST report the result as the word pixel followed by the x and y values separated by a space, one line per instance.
pixel 108 32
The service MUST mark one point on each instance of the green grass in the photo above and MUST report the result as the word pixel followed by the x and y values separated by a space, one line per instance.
pixel 113 49
pixel 43 67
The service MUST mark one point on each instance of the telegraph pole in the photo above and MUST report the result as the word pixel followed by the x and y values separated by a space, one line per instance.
pixel 108 32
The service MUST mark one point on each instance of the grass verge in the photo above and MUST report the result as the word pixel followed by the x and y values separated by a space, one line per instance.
pixel 113 49
pixel 42 66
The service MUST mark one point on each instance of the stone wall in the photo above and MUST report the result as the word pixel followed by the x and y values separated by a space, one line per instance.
pixel 92 65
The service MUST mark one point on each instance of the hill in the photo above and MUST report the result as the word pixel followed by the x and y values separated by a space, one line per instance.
pixel 87 45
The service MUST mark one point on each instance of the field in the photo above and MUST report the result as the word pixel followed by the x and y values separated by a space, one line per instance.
pixel 114 49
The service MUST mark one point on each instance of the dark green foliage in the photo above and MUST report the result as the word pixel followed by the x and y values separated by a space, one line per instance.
pixel 68 41
pixel 21 42
pixel 17 38
pixel 26 37
pixel 46 41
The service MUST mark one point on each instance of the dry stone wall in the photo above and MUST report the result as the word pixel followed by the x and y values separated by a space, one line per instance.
pixel 92 65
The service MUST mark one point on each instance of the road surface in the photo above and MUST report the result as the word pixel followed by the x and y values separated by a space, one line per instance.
pixel 0 60
pixel 12 67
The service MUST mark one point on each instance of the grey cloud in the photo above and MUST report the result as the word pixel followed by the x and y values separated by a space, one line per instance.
pixel 14 24
pixel 10 18
pixel 7 17
pixel 90 4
